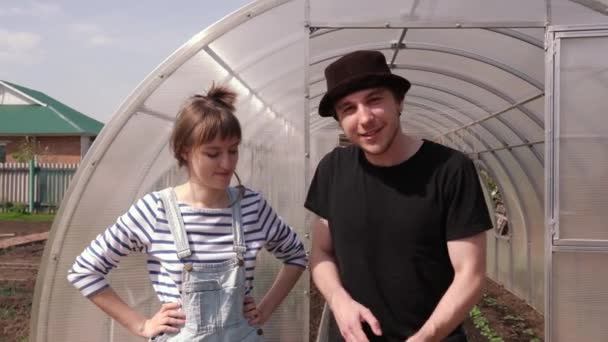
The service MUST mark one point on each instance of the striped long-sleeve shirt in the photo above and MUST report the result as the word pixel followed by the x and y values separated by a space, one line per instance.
pixel 144 228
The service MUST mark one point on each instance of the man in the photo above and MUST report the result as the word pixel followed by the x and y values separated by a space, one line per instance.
pixel 398 249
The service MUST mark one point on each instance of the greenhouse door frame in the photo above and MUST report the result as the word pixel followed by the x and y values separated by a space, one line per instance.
pixel 557 244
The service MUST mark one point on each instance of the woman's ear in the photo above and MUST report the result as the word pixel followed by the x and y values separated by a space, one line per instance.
pixel 185 154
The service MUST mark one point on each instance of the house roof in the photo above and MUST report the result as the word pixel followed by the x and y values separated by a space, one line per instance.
pixel 44 115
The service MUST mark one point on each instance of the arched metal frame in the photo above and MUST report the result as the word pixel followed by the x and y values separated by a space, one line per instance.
pixel 483 143
pixel 437 48
pixel 465 79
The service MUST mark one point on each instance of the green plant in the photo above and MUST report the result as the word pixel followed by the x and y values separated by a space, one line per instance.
pixel 7 313
pixel 6 205
pixel 483 325
pixel 513 318
pixel 7 291
pixel 489 301
pixel 19 208
pixel 530 332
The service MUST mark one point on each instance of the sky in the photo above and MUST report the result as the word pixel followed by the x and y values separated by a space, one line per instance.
pixel 91 55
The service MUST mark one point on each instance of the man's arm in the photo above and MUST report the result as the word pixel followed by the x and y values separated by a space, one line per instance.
pixel 348 313
pixel 468 257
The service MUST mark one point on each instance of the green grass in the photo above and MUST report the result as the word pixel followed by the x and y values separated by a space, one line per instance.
pixel 13 216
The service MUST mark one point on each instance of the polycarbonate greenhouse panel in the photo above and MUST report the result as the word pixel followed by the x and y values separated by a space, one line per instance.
pixel 503 248
pixel 523 56
pixel 108 195
pixel 195 76
pixel 250 41
pixel 412 12
pixel 491 266
pixel 579 298
pixel 268 60
pixel 578 12
pixel 583 137
pixel 324 43
pixel 420 57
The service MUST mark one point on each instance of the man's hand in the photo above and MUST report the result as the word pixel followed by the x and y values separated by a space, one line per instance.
pixel 349 315
pixel 421 337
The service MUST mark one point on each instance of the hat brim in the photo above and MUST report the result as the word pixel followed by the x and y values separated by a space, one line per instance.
pixel 395 82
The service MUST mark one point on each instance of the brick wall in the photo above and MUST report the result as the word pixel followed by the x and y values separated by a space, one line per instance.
pixel 49 149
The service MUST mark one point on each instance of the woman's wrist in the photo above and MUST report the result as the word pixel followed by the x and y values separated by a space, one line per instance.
pixel 265 309
pixel 138 327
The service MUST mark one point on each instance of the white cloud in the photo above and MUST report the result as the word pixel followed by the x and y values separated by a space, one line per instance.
pixel 100 40
pixel 12 11
pixel 46 9
pixel 90 34
pixel 83 28
pixel 21 47
pixel 33 9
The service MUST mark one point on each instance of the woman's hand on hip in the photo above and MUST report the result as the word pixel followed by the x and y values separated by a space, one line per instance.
pixel 252 313
pixel 167 320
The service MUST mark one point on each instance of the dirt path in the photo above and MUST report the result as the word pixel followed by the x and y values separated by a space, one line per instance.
pixel 23 228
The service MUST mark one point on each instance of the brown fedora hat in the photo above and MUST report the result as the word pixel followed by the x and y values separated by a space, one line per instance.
pixel 357 71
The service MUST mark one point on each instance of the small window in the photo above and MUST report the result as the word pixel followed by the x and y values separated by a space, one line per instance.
pixel 2 153
pixel 498 209
pixel 502 223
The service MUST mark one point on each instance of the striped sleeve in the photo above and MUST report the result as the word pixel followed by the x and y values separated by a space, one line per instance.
pixel 281 240
pixel 131 233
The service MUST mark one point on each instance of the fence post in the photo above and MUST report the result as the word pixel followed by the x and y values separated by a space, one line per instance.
pixel 31 197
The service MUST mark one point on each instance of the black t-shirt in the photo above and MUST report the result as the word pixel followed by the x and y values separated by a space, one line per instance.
pixel 390 227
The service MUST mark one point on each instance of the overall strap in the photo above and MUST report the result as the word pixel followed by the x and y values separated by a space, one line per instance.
pixel 237 223
pixel 176 223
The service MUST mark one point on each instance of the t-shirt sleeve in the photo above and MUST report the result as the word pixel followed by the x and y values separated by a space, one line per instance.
pixel 317 199
pixel 467 212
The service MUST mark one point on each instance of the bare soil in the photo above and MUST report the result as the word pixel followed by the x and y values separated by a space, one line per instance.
pixel 18 270
pixel 512 318
pixel 17 288
pixel 23 228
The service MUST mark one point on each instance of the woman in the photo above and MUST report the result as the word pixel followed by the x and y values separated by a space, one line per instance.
pixel 201 238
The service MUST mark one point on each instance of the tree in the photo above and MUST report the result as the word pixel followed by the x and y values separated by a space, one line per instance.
pixel 26 150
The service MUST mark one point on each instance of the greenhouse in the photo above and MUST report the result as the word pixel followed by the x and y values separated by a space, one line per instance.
pixel 517 85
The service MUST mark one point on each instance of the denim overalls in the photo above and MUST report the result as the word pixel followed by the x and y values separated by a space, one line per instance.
pixel 212 293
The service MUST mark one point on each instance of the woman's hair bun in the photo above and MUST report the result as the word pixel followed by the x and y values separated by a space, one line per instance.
pixel 222 94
